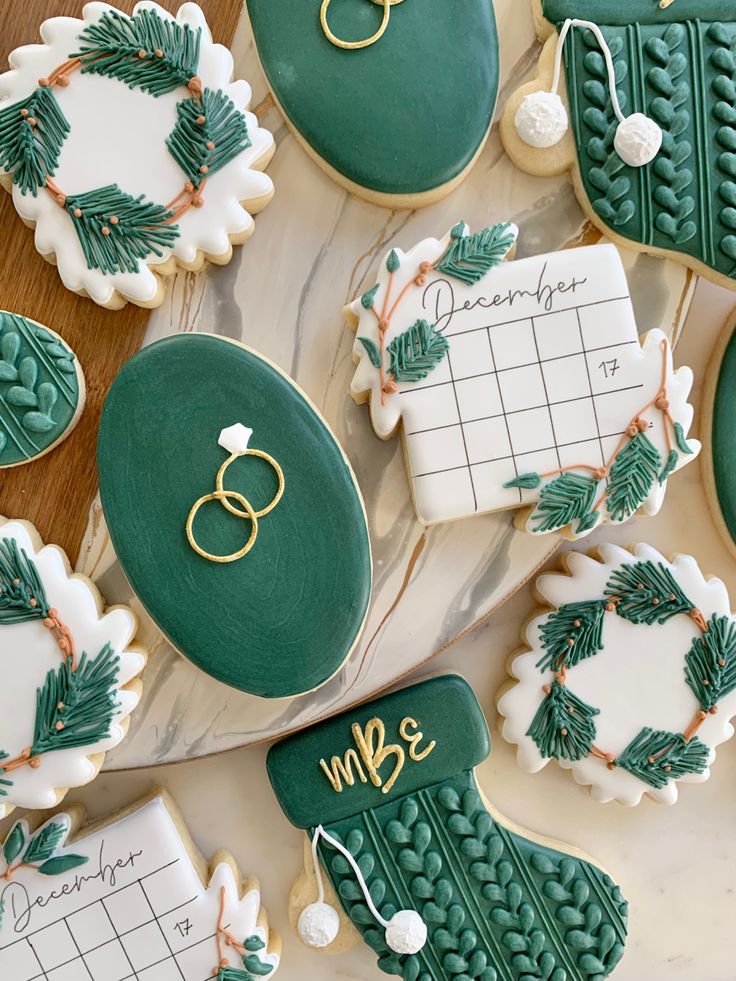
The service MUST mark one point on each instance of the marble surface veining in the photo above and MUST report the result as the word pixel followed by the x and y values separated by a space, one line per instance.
pixel 314 249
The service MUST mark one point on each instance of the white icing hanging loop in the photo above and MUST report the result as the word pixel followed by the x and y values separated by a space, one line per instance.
pixel 319 924
pixel 542 120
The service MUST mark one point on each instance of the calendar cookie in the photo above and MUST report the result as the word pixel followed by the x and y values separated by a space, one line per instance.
pixel 42 391
pixel 651 154
pixel 70 678
pixel 393 99
pixel 433 878
pixel 628 675
pixel 246 504
pixel 127 896
pixel 128 147
pixel 718 435
pixel 520 383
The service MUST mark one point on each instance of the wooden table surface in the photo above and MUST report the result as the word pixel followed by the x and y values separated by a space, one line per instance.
pixel 55 492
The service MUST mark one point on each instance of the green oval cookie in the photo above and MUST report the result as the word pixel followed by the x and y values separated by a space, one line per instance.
pixel 403 116
pixel 281 620
pixel 723 437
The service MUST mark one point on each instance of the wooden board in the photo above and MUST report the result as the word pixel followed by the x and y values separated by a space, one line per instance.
pixel 55 492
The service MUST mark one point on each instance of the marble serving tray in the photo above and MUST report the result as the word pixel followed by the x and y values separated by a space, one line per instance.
pixel 313 250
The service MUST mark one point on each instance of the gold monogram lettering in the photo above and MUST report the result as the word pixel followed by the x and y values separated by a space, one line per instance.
pixel 415 739
pixel 340 770
pixel 372 753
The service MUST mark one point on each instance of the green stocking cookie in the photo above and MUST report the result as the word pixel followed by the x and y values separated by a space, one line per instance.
pixel 434 880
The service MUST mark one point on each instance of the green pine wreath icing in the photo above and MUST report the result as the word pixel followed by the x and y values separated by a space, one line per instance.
pixel 678 66
pixel 155 55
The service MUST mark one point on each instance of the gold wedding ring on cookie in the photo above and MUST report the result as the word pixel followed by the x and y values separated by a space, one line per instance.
pixel 235 440
pixel 355 45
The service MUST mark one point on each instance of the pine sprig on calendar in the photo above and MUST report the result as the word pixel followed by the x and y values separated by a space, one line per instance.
pixel 421 348
pixel 622 483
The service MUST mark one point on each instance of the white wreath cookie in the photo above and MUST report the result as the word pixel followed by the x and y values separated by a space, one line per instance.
pixel 628 678
pixel 70 668
pixel 129 148
pixel 128 896
pixel 520 383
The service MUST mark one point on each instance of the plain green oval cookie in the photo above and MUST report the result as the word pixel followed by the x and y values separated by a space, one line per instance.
pixel 283 619
pixel 405 116
pixel 42 390
pixel 719 431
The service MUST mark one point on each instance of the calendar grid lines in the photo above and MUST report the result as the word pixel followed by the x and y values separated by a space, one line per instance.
pixel 119 940
pixel 160 928
pixel 515 398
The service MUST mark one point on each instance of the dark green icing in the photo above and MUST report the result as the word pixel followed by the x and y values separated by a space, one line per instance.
pixel 723 437
pixel 39 389
pixel 643 11
pixel 498 907
pixel 682 73
pixel 281 620
pixel 403 116
pixel 446 711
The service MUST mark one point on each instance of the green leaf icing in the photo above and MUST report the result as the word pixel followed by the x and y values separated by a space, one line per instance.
pixel 672 459
pixel 416 352
pixel 632 476
pixel 256 967
pixel 368 299
pixel 62 864
pixel 562 500
pixel 563 726
pixel 393 262
pixel 3 782
pixel 253 943
pixel 646 592
pixel 658 757
pixel 112 45
pixel 32 133
pixel 43 844
pixel 682 443
pixel 116 230
pixel 458 230
pixel 89 699
pixel 525 481
pixel 571 634
pixel 373 353
pixel 203 148
pixel 470 257
pixel 710 669
pixel 14 843
pixel 20 586
pixel 498 907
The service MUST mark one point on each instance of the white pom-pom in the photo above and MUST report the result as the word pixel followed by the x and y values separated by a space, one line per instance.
pixel 406 932
pixel 541 120
pixel 638 140
pixel 318 925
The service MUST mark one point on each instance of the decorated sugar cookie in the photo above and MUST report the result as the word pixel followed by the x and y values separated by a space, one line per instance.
pixel 128 146
pixel 69 683
pixel 393 98
pixel 718 435
pixel 127 897
pixel 647 124
pixel 629 676
pixel 229 503
pixel 42 390
pixel 434 879
pixel 520 383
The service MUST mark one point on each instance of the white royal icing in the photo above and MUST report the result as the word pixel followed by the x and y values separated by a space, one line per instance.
pixel 545 370
pixel 636 680
pixel 138 902
pixel 29 652
pixel 118 135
